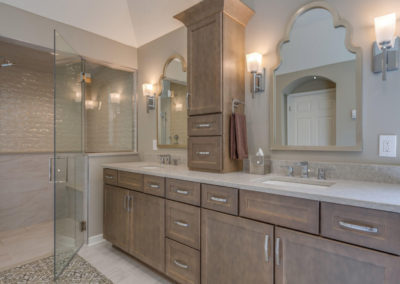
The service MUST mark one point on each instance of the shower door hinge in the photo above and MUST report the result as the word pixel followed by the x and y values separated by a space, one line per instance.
pixel 83 226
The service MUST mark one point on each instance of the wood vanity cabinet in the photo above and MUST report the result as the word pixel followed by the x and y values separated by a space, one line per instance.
pixel 235 250
pixel 147 238
pixel 135 222
pixel 116 216
pixel 216 69
pixel 307 259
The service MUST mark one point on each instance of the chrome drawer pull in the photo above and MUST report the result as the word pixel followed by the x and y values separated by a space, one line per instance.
pixel 203 125
pixel 203 153
pixel 266 243
pixel 184 192
pixel 181 265
pixel 277 251
pixel 358 227
pixel 154 186
pixel 179 223
pixel 109 177
pixel 217 199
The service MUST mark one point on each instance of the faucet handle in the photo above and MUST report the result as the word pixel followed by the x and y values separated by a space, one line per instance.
pixel 321 173
pixel 290 170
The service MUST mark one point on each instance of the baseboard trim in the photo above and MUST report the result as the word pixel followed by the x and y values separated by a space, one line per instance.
pixel 94 240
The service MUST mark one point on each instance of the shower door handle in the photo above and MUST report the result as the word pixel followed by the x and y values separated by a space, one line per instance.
pixel 60 175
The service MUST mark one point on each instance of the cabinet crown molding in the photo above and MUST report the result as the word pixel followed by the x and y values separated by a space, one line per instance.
pixel 236 9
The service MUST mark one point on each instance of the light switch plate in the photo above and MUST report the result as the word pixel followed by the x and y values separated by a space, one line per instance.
pixel 388 146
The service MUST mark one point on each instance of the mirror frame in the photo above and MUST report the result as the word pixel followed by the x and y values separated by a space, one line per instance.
pixel 159 90
pixel 338 22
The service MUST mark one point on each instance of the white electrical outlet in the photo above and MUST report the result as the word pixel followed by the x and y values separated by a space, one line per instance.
pixel 388 146
pixel 155 145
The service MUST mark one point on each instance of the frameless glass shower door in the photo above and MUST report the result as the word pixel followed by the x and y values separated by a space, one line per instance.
pixel 68 166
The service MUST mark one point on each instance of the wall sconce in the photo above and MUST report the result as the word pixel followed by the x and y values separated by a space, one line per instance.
pixel 91 104
pixel 254 66
pixel 115 98
pixel 78 97
pixel 148 92
pixel 179 107
pixel 386 49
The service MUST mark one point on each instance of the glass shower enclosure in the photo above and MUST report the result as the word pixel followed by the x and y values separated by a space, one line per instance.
pixel 68 170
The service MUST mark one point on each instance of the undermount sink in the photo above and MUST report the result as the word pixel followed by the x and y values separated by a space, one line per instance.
pixel 298 183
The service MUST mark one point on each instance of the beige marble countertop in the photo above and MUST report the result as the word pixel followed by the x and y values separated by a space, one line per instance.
pixel 379 196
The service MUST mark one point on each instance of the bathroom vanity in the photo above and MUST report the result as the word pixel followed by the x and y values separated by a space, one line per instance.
pixel 240 228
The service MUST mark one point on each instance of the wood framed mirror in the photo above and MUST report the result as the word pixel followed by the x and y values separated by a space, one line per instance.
pixel 171 104
pixel 317 86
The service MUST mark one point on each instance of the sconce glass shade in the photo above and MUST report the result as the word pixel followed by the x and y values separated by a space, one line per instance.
pixel 78 97
pixel 148 90
pixel 91 104
pixel 254 61
pixel 115 98
pixel 385 27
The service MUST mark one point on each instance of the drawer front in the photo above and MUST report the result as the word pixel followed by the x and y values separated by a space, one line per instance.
pixel 110 176
pixel 296 213
pixel 365 227
pixel 182 263
pixel 184 191
pixel 205 125
pixel 154 185
pixel 205 153
pixel 183 223
pixel 223 199
pixel 130 180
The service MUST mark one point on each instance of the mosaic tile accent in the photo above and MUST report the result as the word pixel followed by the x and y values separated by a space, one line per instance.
pixel 41 271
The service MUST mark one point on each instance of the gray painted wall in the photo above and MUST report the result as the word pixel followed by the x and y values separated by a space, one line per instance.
pixel 381 99
pixel 27 27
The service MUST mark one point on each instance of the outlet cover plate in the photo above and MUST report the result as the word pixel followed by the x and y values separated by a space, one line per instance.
pixel 388 146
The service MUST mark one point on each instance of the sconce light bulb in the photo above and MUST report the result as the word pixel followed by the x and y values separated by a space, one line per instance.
pixel 385 27
pixel 254 62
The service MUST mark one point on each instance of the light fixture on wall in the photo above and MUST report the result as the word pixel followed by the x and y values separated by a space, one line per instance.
pixel 254 66
pixel 115 98
pixel 148 92
pixel 386 49
pixel 91 104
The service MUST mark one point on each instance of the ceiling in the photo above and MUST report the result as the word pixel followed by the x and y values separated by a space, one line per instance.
pixel 131 22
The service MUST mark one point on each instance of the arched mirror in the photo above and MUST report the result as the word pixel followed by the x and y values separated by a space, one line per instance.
pixel 171 104
pixel 317 88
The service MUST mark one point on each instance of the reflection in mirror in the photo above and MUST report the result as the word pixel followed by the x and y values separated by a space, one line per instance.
pixel 172 111
pixel 317 86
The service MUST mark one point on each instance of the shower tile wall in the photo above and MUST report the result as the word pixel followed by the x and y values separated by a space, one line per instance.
pixel 26 100
pixel 26 196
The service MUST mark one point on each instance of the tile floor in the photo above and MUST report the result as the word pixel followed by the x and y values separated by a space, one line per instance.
pixel 119 267
pixel 25 245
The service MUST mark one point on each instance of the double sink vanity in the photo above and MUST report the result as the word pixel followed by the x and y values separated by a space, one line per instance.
pixel 241 228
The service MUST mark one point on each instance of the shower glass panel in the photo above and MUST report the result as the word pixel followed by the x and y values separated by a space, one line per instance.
pixel 68 171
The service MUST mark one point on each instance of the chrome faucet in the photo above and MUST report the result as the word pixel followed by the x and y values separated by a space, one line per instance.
pixel 305 170
pixel 290 171
pixel 165 159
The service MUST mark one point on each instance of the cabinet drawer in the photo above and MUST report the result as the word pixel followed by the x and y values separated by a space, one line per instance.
pixel 223 199
pixel 183 223
pixel 182 263
pixel 205 153
pixel 205 125
pixel 154 185
pixel 365 227
pixel 184 191
pixel 296 213
pixel 110 176
pixel 130 180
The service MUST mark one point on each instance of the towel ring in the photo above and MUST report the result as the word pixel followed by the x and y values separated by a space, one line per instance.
pixel 235 104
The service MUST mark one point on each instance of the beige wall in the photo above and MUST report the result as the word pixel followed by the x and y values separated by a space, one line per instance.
pixel 263 33
pixel 27 27
pixel 151 58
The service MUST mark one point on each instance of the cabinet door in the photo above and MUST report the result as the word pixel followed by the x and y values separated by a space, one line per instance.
pixel 116 216
pixel 205 66
pixel 147 241
pixel 306 259
pixel 235 250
